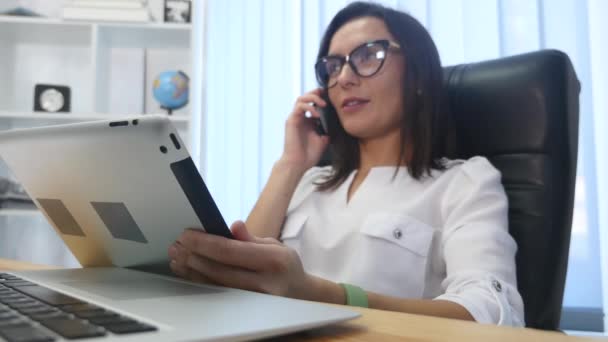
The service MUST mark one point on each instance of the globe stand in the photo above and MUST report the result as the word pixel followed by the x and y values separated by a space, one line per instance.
pixel 169 110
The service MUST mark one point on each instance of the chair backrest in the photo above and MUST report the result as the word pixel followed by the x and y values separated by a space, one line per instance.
pixel 521 112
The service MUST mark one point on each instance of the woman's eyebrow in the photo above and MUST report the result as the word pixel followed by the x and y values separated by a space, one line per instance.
pixel 334 53
pixel 329 53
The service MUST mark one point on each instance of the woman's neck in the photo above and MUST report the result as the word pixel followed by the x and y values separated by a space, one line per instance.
pixel 382 151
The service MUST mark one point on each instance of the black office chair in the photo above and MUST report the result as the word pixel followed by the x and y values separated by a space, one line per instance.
pixel 521 112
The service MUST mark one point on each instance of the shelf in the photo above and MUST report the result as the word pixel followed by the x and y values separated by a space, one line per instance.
pixel 23 32
pixel 146 26
pixel 38 21
pixel 67 117
pixel 60 22
pixel 154 36
pixel 108 66
pixel 59 32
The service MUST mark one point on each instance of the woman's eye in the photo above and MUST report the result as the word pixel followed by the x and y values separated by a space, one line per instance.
pixel 367 55
pixel 333 68
pixel 364 57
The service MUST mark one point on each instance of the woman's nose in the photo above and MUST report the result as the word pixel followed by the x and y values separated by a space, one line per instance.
pixel 347 75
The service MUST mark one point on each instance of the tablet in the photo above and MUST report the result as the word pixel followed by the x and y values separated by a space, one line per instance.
pixel 117 192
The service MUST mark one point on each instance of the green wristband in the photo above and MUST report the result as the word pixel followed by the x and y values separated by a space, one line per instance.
pixel 355 296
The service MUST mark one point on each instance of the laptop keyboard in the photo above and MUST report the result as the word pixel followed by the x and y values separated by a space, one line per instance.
pixel 28 312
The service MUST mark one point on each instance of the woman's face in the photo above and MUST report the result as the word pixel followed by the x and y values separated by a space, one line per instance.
pixel 368 107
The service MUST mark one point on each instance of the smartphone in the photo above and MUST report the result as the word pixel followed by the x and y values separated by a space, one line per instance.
pixel 321 123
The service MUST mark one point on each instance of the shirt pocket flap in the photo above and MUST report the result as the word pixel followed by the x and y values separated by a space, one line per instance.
pixel 293 226
pixel 402 230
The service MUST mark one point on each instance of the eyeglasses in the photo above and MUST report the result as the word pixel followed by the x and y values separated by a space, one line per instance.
pixel 365 60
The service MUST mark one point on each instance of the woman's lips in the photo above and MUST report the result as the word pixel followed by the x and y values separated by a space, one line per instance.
pixel 353 104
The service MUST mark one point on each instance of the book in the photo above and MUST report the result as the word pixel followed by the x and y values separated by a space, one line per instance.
pixel 127 76
pixel 118 4
pixel 72 2
pixel 106 14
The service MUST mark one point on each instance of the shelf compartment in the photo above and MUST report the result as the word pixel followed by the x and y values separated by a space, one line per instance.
pixel 43 52
pixel 123 56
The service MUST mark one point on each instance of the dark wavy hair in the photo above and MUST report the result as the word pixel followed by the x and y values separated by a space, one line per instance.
pixel 426 122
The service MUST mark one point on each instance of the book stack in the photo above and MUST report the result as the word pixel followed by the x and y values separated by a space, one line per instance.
pixel 107 10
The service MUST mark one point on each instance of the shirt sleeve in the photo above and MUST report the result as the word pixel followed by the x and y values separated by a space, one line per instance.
pixel 478 250
pixel 307 186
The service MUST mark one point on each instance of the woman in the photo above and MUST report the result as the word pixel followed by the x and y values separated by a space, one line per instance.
pixel 391 224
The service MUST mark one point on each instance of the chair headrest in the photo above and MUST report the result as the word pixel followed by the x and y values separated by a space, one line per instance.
pixel 512 105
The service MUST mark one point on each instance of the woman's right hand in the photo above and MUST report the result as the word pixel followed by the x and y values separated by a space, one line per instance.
pixel 303 146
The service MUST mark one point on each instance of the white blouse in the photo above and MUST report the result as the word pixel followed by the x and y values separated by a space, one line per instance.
pixel 442 237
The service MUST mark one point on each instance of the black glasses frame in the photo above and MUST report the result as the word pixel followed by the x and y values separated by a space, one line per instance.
pixel 385 43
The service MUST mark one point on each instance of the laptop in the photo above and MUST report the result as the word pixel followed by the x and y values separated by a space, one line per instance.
pixel 119 193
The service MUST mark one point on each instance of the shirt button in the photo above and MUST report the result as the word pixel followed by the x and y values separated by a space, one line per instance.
pixel 497 285
pixel 397 233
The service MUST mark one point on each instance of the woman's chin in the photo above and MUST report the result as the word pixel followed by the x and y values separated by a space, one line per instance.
pixel 358 132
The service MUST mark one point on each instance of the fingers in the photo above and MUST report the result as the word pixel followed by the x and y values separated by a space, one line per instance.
pixel 302 107
pixel 226 275
pixel 197 277
pixel 179 265
pixel 323 141
pixel 251 263
pixel 240 232
pixel 179 257
pixel 190 274
pixel 258 257
pixel 309 103
pixel 269 240
pixel 313 97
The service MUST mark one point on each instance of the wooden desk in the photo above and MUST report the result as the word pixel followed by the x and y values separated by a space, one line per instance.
pixel 377 325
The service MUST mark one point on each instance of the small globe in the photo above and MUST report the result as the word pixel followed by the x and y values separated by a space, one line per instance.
pixel 171 90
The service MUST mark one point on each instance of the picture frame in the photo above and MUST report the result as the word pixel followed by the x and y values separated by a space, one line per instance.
pixel 178 11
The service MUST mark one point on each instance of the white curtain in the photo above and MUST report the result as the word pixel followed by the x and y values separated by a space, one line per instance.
pixel 260 56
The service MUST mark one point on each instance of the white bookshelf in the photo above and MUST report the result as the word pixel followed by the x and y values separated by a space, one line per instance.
pixel 108 66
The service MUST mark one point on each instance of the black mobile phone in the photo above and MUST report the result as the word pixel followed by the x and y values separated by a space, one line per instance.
pixel 321 123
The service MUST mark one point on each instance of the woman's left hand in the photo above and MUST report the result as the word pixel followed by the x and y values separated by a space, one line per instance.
pixel 247 262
